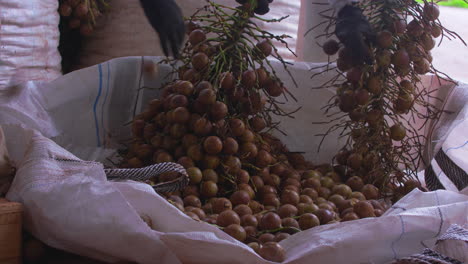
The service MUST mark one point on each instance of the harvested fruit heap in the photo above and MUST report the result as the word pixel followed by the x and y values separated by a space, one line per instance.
pixel 82 14
pixel 215 120
pixel 379 103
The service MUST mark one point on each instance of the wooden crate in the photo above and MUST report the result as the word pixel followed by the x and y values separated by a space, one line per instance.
pixel 10 232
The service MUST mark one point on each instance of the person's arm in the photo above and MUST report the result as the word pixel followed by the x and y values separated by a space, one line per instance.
pixel 166 18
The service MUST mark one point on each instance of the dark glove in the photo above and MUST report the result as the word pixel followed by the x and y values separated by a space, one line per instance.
pixel 355 32
pixel 166 18
pixel 262 6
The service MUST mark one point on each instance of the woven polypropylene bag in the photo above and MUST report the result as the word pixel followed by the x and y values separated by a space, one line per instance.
pixel 29 37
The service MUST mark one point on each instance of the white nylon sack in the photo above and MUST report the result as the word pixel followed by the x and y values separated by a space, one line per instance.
pixel 115 35
pixel 29 37
pixel 71 205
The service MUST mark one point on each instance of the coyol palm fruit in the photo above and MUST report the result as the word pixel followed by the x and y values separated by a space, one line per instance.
pixel 212 120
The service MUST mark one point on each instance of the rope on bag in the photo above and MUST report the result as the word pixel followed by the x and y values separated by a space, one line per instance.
pixel 146 173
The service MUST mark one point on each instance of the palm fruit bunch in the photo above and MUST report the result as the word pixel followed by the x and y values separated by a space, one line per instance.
pixel 82 14
pixel 380 102
pixel 215 119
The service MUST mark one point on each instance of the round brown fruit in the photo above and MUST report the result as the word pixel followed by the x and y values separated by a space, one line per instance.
pixel 361 96
pixel 422 67
pixel 436 31
pixel 274 88
pixel 65 10
pixel 350 217
pixel 209 189
pixel 342 189
pixel 404 102
pixel 407 87
pixel 249 79
pixel 354 75
pixel 281 236
pixel 265 47
pixel 262 76
pixel 307 221
pixel 186 162
pixel 81 10
pixel 195 175
pixel 248 150
pixel 415 29
pixel 213 145
pixel 218 111
pixel 197 36
pixel 202 86
pixel 192 200
pixel 257 182
pixel 220 205
pixel 272 251
pixel 243 177
pixel 207 97
pixel 397 132
pixel 354 161
pixel 370 191
pixel 287 210
pixel 236 231
pixel 289 197
pixel 374 117
pixel 233 164
pixel 178 101
pixel 202 126
pixel 267 237
pixel 240 197
pixel 270 221
pixel 313 194
pixel 289 222
pixel 399 26
pixel 227 81
pixel 227 218
pixel 181 115
pixel 384 58
pixel 200 61
pixel 263 159
pixel 325 216
pixel 364 209
pixel 237 127
pixel 189 140
pixel 210 161
pixel 347 101
pixel 330 47
pixel 384 39
pixel 355 183
pixel 431 11
pixel 427 42
pixel 242 210
pixel 230 146
pixel 256 207
pixel 249 220
pixel 210 175
pixel 401 58
pixel 195 152
pixel 257 123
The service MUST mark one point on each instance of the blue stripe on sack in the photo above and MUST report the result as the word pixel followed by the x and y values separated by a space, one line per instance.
pixel 105 100
pixel 441 216
pixel 399 238
pixel 466 143
pixel 95 106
